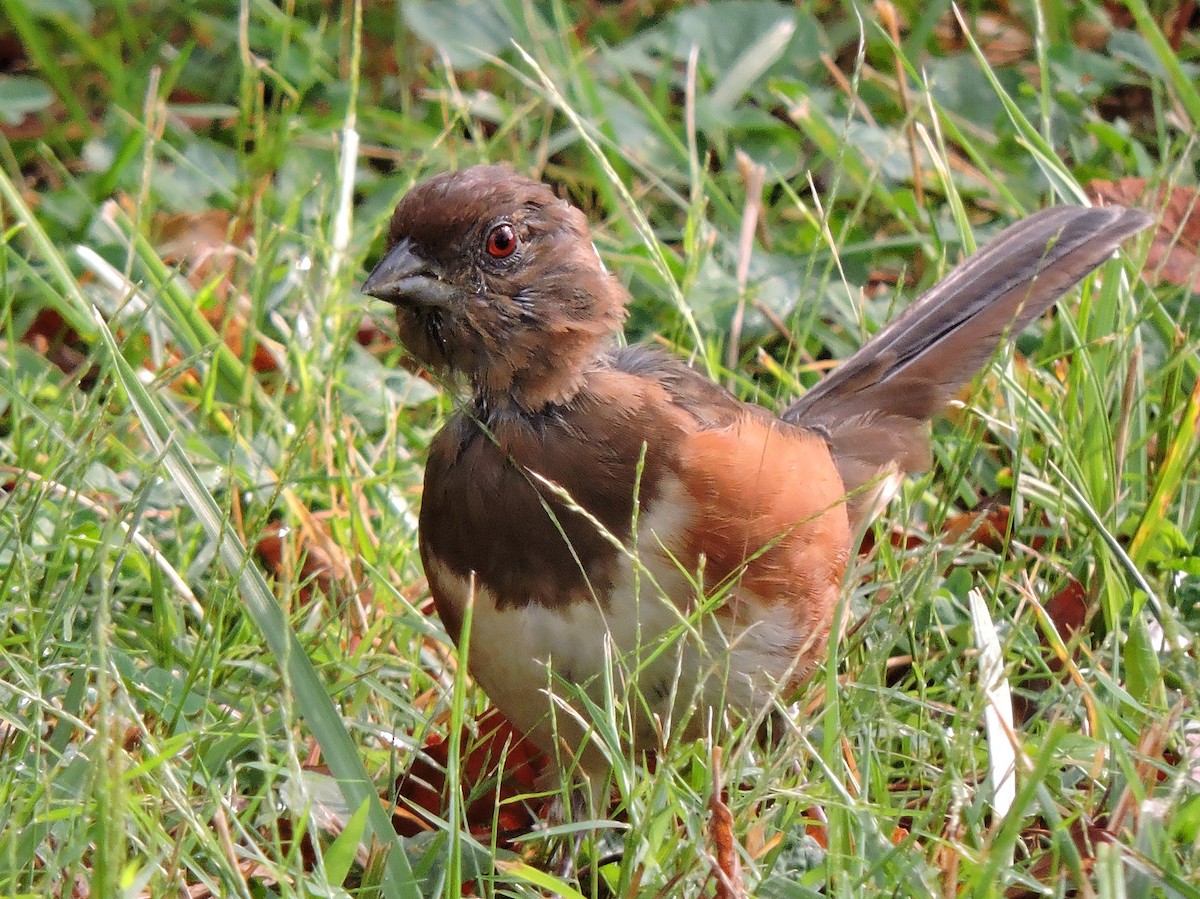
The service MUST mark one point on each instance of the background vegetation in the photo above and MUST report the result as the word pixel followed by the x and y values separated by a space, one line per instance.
pixel 211 448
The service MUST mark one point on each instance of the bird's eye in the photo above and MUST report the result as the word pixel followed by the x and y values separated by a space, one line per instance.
pixel 501 241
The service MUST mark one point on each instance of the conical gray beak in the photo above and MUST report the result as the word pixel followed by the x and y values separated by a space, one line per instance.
pixel 403 277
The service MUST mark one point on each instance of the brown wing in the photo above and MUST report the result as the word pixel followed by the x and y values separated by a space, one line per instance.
pixel 764 518
pixel 772 518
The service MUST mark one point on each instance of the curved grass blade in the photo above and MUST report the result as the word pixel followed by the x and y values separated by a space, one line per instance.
pixel 311 699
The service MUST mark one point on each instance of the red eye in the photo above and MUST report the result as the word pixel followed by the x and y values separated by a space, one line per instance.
pixel 501 241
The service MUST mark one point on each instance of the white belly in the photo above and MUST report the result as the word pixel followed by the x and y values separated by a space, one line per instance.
pixel 666 661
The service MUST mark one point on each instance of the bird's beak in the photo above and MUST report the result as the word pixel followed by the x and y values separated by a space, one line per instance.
pixel 403 277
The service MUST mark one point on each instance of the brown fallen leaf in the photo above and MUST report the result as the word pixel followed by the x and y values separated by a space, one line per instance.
pixel 202 243
pixel 986 526
pixel 1086 834
pixel 1003 38
pixel 1182 23
pixel 422 790
pixel 1068 611
pixel 316 570
pixel 50 335
pixel 1174 254
pixel 205 246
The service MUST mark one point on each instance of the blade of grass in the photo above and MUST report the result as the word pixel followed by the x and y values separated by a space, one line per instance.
pixel 1184 84
pixel 1171 478
pixel 33 37
pixel 318 710
pixel 998 711
pixel 72 305
pixel 187 323
pixel 1052 166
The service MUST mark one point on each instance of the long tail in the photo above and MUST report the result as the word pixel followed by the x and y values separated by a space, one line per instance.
pixel 874 406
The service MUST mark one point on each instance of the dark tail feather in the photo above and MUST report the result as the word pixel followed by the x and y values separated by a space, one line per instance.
pixel 875 404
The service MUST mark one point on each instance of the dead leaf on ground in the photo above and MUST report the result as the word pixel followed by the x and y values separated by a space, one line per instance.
pixel 492 792
pixel 1182 23
pixel 898 535
pixel 51 336
pixel 1068 611
pixel 201 243
pixel 1049 866
pixel 1003 38
pixel 279 555
pixel 987 525
pixel 1174 254
pixel 204 246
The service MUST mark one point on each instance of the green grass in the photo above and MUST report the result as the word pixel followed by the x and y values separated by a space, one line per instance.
pixel 211 450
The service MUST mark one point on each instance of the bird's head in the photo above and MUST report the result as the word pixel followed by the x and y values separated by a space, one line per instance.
pixel 495 278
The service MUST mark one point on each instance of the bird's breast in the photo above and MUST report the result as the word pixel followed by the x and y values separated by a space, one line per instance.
pixel 651 637
pixel 535 511
pixel 694 564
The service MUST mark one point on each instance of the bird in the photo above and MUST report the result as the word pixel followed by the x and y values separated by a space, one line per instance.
pixel 598 514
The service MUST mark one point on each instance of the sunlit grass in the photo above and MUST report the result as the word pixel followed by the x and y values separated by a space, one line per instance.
pixel 211 475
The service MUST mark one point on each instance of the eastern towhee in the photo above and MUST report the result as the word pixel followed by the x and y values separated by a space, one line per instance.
pixel 590 497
